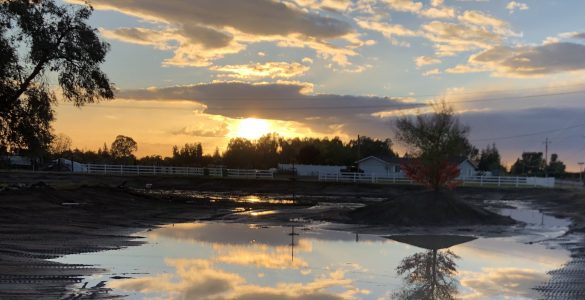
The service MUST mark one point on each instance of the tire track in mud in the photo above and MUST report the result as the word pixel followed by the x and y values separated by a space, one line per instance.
pixel 567 282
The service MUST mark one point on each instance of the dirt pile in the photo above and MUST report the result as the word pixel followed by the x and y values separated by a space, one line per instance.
pixel 426 209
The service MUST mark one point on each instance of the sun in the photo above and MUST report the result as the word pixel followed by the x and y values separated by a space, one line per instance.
pixel 252 128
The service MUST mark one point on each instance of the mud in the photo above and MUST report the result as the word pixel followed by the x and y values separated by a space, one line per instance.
pixel 69 214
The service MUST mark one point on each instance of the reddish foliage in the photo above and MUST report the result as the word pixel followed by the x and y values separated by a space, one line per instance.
pixel 433 175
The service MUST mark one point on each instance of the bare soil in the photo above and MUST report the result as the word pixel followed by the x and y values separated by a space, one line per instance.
pixel 68 213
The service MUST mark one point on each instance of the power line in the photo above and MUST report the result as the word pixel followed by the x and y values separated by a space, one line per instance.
pixel 528 134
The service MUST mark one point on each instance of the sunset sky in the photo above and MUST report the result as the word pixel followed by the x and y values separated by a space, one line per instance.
pixel 209 70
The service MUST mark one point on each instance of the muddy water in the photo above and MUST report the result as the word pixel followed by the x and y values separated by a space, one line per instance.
pixel 214 260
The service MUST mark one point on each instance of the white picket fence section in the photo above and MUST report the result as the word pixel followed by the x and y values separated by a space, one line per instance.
pixel 258 174
pixel 465 181
pixel 181 171
pixel 363 178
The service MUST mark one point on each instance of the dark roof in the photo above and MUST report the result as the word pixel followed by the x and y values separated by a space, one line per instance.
pixel 401 160
pixel 432 242
pixel 387 159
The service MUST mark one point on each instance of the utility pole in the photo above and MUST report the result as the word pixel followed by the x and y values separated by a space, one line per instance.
pixel 546 143
pixel 581 171
pixel 359 141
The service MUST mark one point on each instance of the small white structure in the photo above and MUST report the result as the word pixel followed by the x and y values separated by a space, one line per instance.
pixel 380 166
pixel 390 167
pixel 310 170
pixel 467 169
pixel 18 161
pixel 72 166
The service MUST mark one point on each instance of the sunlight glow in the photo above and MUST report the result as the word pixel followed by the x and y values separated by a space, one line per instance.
pixel 252 128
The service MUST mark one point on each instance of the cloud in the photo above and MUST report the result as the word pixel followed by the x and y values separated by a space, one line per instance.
pixel 195 47
pixel 288 101
pixel 579 36
pixel 439 13
pixel 426 60
pixel 452 38
pixel 514 6
pixel 528 61
pixel 220 131
pixel 432 72
pixel 390 31
pixel 200 279
pixel 478 18
pixel 204 27
pixel 513 282
pixel 332 5
pixel 404 5
pixel 262 256
pixel 437 10
pixel 262 70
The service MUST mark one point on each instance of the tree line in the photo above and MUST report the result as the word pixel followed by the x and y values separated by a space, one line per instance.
pixel 263 153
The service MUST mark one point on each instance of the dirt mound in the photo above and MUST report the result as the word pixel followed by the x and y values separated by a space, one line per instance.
pixel 426 209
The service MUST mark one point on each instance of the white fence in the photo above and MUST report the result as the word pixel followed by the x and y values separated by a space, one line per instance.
pixel 466 181
pixel 310 170
pixel 362 177
pixel 182 171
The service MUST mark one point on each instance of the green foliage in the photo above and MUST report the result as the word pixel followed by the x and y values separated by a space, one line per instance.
pixel 188 155
pixel 40 40
pixel 309 154
pixel 490 160
pixel 123 147
pixel 556 168
pixel 263 153
pixel 531 164
pixel 433 140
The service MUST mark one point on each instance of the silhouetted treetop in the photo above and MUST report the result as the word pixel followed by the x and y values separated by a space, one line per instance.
pixel 39 38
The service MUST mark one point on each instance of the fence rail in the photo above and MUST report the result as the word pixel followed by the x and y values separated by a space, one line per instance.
pixel 141 170
pixel 465 181
pixel 181 171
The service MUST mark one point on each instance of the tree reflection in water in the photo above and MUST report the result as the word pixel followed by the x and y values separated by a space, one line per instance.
pixel 429 275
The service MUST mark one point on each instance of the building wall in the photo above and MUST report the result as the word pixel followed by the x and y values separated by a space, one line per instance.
pixel 310 170
pixel 377 167
pixel 466 170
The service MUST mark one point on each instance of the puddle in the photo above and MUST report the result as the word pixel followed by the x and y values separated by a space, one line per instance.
pixel 212 260
pixel 260 198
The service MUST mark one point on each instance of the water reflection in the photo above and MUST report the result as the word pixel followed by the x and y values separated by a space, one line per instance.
pixel 429 274
pixel 241 261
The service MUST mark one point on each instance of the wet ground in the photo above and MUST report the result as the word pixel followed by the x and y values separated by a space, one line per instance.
pixel 308 260
pixel 42 224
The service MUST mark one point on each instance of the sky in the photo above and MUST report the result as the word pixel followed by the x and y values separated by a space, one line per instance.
pixel 209 70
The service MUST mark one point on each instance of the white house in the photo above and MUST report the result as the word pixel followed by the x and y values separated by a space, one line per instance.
pixel 467 169
pixel 378 166
pixel 390 166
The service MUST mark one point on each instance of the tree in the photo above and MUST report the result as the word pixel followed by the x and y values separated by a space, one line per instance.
pixel 309 154
pixel 428 275
pixel 188 155
pixel 531 163
pixel 436 141
pixel 490 160
pixel 556 167
pixel 123 147
pixel 61 143
pixel 40 40
pixel 239 153
pixel 365 146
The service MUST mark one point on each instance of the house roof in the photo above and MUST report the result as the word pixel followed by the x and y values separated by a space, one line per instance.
pixel 400 160
pixel 384 159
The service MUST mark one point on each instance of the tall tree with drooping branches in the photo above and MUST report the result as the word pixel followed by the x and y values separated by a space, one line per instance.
pixel 43 45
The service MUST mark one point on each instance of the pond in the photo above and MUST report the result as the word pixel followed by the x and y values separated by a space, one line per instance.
pixel 215 260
